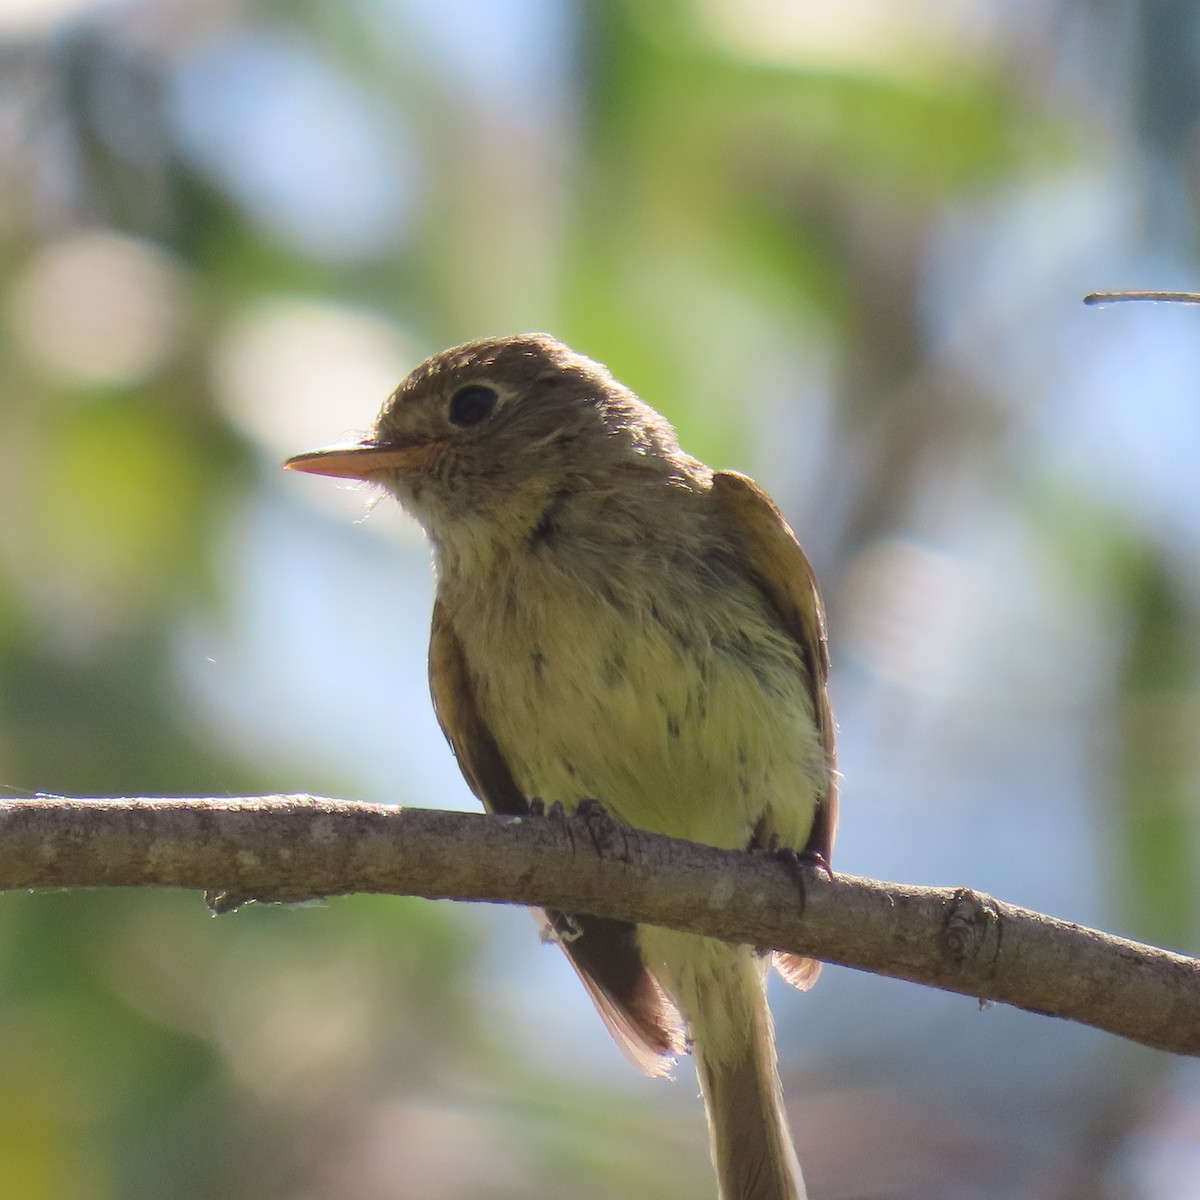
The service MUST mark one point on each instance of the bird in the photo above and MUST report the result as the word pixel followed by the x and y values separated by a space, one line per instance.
pixel 616 622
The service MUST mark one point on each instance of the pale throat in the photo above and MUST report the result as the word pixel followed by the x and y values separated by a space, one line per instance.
pixel 470 542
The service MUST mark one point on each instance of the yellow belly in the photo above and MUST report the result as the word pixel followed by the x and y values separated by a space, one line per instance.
pixel 682 711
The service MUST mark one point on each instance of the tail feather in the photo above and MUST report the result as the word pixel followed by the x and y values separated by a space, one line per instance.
pixel 721 991
pixel 751 1143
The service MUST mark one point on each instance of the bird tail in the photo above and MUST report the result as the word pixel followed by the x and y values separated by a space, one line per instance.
pixel 721 990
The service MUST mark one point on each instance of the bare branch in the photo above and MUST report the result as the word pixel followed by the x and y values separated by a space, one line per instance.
pixel 298 847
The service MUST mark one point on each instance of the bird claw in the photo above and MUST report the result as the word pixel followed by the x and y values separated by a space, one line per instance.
pixel 814 859
pixel 607 833
pixel 797 863
pixel 798 860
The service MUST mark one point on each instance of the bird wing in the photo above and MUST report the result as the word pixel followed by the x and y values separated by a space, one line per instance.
pixel 603 951
pixel 781 570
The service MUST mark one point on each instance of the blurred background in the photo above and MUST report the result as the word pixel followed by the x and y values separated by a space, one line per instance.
pixel 842 247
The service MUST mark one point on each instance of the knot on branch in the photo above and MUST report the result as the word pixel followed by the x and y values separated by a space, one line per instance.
pixel 971 918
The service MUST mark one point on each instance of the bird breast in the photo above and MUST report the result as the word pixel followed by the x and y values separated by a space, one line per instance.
pixel 653 681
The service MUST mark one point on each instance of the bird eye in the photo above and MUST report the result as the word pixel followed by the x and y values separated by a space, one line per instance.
pixel 472 404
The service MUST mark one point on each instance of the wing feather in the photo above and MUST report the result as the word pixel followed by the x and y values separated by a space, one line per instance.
pixel 784 575
pixel 604 952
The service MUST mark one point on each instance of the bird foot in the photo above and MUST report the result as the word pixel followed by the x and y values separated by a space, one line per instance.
pixel 552 812
pixel 797 860
pixel 607 833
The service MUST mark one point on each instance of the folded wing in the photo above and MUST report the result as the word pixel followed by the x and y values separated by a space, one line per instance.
pixel 604 952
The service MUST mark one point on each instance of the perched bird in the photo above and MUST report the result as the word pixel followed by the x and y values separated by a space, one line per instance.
pixel 616 621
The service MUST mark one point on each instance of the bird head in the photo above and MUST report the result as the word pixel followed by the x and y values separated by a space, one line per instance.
pixel 482 437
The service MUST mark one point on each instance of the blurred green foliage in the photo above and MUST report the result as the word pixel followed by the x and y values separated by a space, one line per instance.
pixel 708 218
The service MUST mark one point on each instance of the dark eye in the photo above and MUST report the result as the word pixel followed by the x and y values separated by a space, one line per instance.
pixel 472 404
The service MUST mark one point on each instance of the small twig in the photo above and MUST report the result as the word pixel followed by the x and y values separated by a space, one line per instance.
pixel 1166 297
pixel 298 847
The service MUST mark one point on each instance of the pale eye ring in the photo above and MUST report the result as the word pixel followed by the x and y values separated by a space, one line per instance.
pixel 472 404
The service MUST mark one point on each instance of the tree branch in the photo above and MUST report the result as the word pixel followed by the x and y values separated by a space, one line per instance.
pixel 290 848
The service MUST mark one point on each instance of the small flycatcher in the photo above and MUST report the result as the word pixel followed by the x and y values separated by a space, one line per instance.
pixel 615 620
